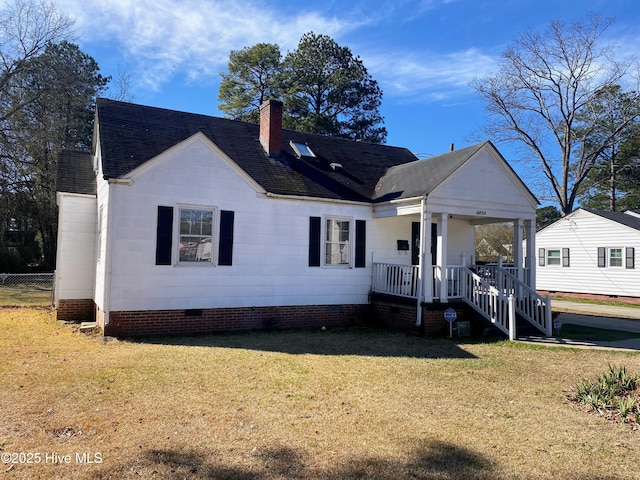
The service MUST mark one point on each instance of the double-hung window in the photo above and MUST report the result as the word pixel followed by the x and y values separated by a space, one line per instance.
pixel 204 234
pixel 615 257
pixel 553 257
pixel 337 247
pixel 196 235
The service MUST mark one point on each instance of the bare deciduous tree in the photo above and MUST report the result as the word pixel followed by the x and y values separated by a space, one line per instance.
pixel 543 81
pixel 26 28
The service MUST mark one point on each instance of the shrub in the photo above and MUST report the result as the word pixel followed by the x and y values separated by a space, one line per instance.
pixel 614 395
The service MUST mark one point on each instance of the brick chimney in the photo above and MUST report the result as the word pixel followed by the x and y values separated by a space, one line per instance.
pixel 271 126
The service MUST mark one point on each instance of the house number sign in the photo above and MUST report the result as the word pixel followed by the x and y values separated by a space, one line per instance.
pixel 481 212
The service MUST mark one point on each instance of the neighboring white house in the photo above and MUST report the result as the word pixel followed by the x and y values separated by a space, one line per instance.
pixel 191 223
pixel 590 251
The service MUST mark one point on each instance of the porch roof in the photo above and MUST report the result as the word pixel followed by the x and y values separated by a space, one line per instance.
pixel 422 177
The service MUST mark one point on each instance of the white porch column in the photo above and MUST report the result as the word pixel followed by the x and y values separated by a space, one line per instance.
pixel 517 248
pixel 442 256
pixel 426 269
pixel 530 226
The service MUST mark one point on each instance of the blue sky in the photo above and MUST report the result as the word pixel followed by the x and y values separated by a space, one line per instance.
pixel 423 53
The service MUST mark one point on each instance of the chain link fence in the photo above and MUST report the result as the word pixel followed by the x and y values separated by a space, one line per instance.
pixel 26 289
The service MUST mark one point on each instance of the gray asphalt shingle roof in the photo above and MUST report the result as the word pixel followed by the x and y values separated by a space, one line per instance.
pixel 75 173
pixel 131 135
pixel 619 217
pixel 418 178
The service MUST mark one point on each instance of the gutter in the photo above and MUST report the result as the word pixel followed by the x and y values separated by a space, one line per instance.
pixel 120 181
pixel 279 196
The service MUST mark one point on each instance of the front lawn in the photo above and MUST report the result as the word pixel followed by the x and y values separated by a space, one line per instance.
pixel 329 404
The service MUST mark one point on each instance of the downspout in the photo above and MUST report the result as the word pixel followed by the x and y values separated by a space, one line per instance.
pixel 421 260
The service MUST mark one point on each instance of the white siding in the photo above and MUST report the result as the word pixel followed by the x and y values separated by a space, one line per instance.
pixel 270 251
pixel 583 232
pixel 461 235
pixel 387 231
pixel 483 187
pixel 101 242
pixel 75 256
pixel 385 234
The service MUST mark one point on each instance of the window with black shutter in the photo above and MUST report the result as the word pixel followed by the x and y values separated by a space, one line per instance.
pixel 225 249
pixel 361 243
pixel 630 257
pixel 314 241
pixel 164 235
pixel 602 257
pixel 565 257
pixel 541 257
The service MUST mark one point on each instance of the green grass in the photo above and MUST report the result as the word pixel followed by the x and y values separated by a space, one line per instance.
pixel 612 302
pixel 579 332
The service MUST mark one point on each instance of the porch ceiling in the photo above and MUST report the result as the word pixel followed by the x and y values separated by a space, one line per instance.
pixel 480 217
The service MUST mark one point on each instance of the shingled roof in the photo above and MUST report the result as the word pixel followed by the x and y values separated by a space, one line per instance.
pixel 419 178
pixel 626 219
pixel 343 169
pixel 75 173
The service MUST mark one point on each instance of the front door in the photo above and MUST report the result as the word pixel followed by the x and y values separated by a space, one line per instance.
pixel 415 243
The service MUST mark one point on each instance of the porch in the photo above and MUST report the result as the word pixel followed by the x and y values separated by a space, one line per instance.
pixel 495 292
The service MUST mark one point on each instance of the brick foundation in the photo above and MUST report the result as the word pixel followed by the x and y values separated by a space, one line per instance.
pixel 402 316
pixel 82 310
pixel 171 322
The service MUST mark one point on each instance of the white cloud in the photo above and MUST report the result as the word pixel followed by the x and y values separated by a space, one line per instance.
pixel 192 37
pixel 157 40
pixel 429 76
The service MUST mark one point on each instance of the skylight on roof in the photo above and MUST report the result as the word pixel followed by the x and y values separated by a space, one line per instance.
pixel 302 149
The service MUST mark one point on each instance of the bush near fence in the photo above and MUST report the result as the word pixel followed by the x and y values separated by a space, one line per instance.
pixel 26 289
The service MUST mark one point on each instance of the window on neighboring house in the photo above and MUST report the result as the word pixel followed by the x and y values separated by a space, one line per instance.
pixel 615 257
pixel 553 257
pixel 337 242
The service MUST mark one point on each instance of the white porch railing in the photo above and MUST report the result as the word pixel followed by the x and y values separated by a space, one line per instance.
pixel 489 273
pixel 497 295
pixel 535 308
pixel 488 301
pixel 400 280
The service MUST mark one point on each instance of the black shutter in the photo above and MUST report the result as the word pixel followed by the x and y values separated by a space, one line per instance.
pixel 225 249
pixel 164 235
pixel 630 257
pixel 565 257
pixel 314 241
pixel 541 257
pixel 602 257
pixel 361 243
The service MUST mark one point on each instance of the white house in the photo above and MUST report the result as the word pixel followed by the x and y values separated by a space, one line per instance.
pixel 590 251
pixel 179 223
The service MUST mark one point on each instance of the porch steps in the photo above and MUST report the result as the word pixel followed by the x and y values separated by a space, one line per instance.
pixel 523 327
pixel 89 327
